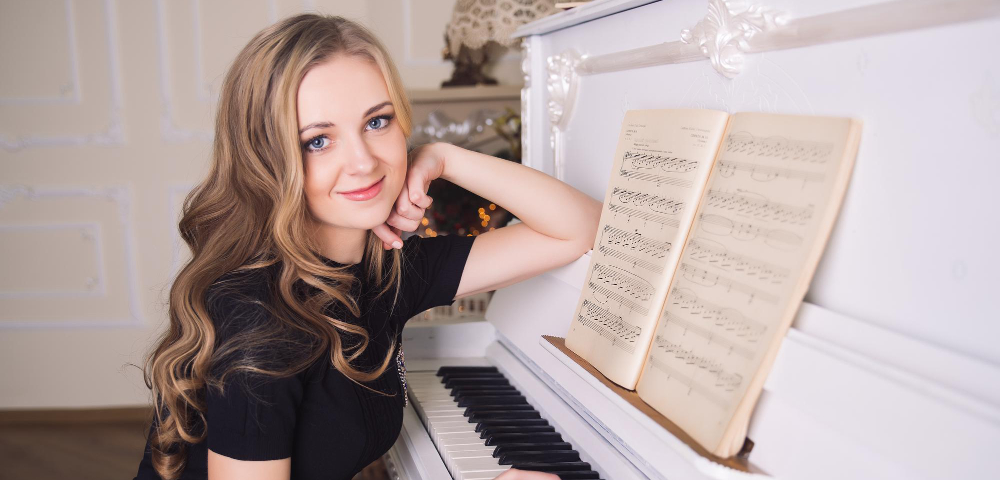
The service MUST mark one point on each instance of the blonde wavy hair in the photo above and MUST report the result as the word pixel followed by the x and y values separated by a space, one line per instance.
pixel 250 213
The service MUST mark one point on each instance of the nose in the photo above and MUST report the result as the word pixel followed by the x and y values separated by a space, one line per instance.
pixel 360 160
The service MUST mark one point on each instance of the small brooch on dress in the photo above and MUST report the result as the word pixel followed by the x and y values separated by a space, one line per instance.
pixel 401 368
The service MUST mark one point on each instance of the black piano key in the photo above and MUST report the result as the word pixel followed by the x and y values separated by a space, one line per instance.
pixel 497 408
pixel 530 447
pixel 502 438
pixel 487 390
pixel 464 401
pixel 475 381
pixel 480 417
pixel 530 422
pixel 579 475
pixel 463 368
pixel 521 429
pixel 449 376
pixel 554 456
pixel 544 466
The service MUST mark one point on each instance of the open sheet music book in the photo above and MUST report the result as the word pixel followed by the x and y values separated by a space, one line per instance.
pixel 711 231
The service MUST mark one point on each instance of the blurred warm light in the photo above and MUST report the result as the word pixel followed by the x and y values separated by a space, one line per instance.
pixel 424 221
pixel 493 206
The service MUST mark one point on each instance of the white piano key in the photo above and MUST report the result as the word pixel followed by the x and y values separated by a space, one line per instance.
pixel 485 475
pixel 469 465
pixel 461 440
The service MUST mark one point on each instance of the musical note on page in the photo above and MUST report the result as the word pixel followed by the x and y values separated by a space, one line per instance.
pixel 609 326
pixel 633 248
pixel 778 147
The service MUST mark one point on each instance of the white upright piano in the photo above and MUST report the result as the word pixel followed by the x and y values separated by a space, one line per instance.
pixel 892 366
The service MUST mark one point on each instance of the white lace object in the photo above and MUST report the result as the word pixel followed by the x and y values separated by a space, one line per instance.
pixel 475 22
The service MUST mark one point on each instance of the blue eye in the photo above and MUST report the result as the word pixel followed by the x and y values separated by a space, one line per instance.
pixel 374 122
pixel 316 143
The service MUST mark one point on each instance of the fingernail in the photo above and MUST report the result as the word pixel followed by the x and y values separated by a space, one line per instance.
pixel 397 244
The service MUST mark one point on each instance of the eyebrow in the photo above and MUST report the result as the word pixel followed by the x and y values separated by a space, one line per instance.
pixel 329 124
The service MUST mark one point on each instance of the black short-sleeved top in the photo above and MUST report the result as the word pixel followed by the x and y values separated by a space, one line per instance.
pixel 329 426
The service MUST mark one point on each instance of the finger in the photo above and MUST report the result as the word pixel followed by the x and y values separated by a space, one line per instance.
pixel 422 201
pixel 417 184
pixel 408 209
pixel 394 230
pixel 402 223
pixel 405 207
pixel 384 232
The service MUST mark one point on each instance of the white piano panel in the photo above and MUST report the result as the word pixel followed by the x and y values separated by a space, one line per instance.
pixel 912 251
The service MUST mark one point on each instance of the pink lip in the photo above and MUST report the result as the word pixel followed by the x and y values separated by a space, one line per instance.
pixel 364 193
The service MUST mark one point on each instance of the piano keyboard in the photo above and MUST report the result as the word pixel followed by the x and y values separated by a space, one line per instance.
pixel 483 426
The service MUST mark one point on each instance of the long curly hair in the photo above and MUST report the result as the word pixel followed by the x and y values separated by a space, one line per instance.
pixel 250 213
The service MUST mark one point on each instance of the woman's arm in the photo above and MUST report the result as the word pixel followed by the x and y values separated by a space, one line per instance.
pixel 221 467
pixel 559 222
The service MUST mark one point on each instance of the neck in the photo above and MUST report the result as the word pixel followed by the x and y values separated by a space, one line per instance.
pixel 342 245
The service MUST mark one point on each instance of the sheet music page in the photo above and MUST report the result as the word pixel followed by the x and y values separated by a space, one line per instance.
pixel 759 231
pixel 662 162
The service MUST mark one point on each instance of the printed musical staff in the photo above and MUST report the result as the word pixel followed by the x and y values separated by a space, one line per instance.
pixel 708 335
pixel 635 213
pixel 626 288
pixel 634 261
pixel 778 148
pixel 656 203
pixel 764 173
pixel 708 279
pixel 715 254
pixel 773 237
pixel 759 208
pixel 647 161
pixel 610 326
pixel 659 180
pixel 727 381
pixel 730 320
pixel 674 374
pixel 635 243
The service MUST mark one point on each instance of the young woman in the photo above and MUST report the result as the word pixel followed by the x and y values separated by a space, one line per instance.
pixel 282 359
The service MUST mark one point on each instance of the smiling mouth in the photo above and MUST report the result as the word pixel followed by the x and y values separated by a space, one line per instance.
pixel 363 188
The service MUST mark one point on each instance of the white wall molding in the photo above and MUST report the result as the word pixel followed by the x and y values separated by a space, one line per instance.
pixel 562 84
pixel 759 29
pixel 114 132
pixel 70 92
pixel 169 129
pixel 725 34
pixel 525 100
pixel 95 286
pixel 121 196
pixel 408 58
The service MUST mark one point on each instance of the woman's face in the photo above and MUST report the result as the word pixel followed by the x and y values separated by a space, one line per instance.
pixel 350 141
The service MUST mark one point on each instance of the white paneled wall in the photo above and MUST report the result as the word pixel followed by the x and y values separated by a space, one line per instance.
pixel 106 109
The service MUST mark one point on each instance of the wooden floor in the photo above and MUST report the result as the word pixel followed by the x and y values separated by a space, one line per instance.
pixel 84 452
pixel 55 446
